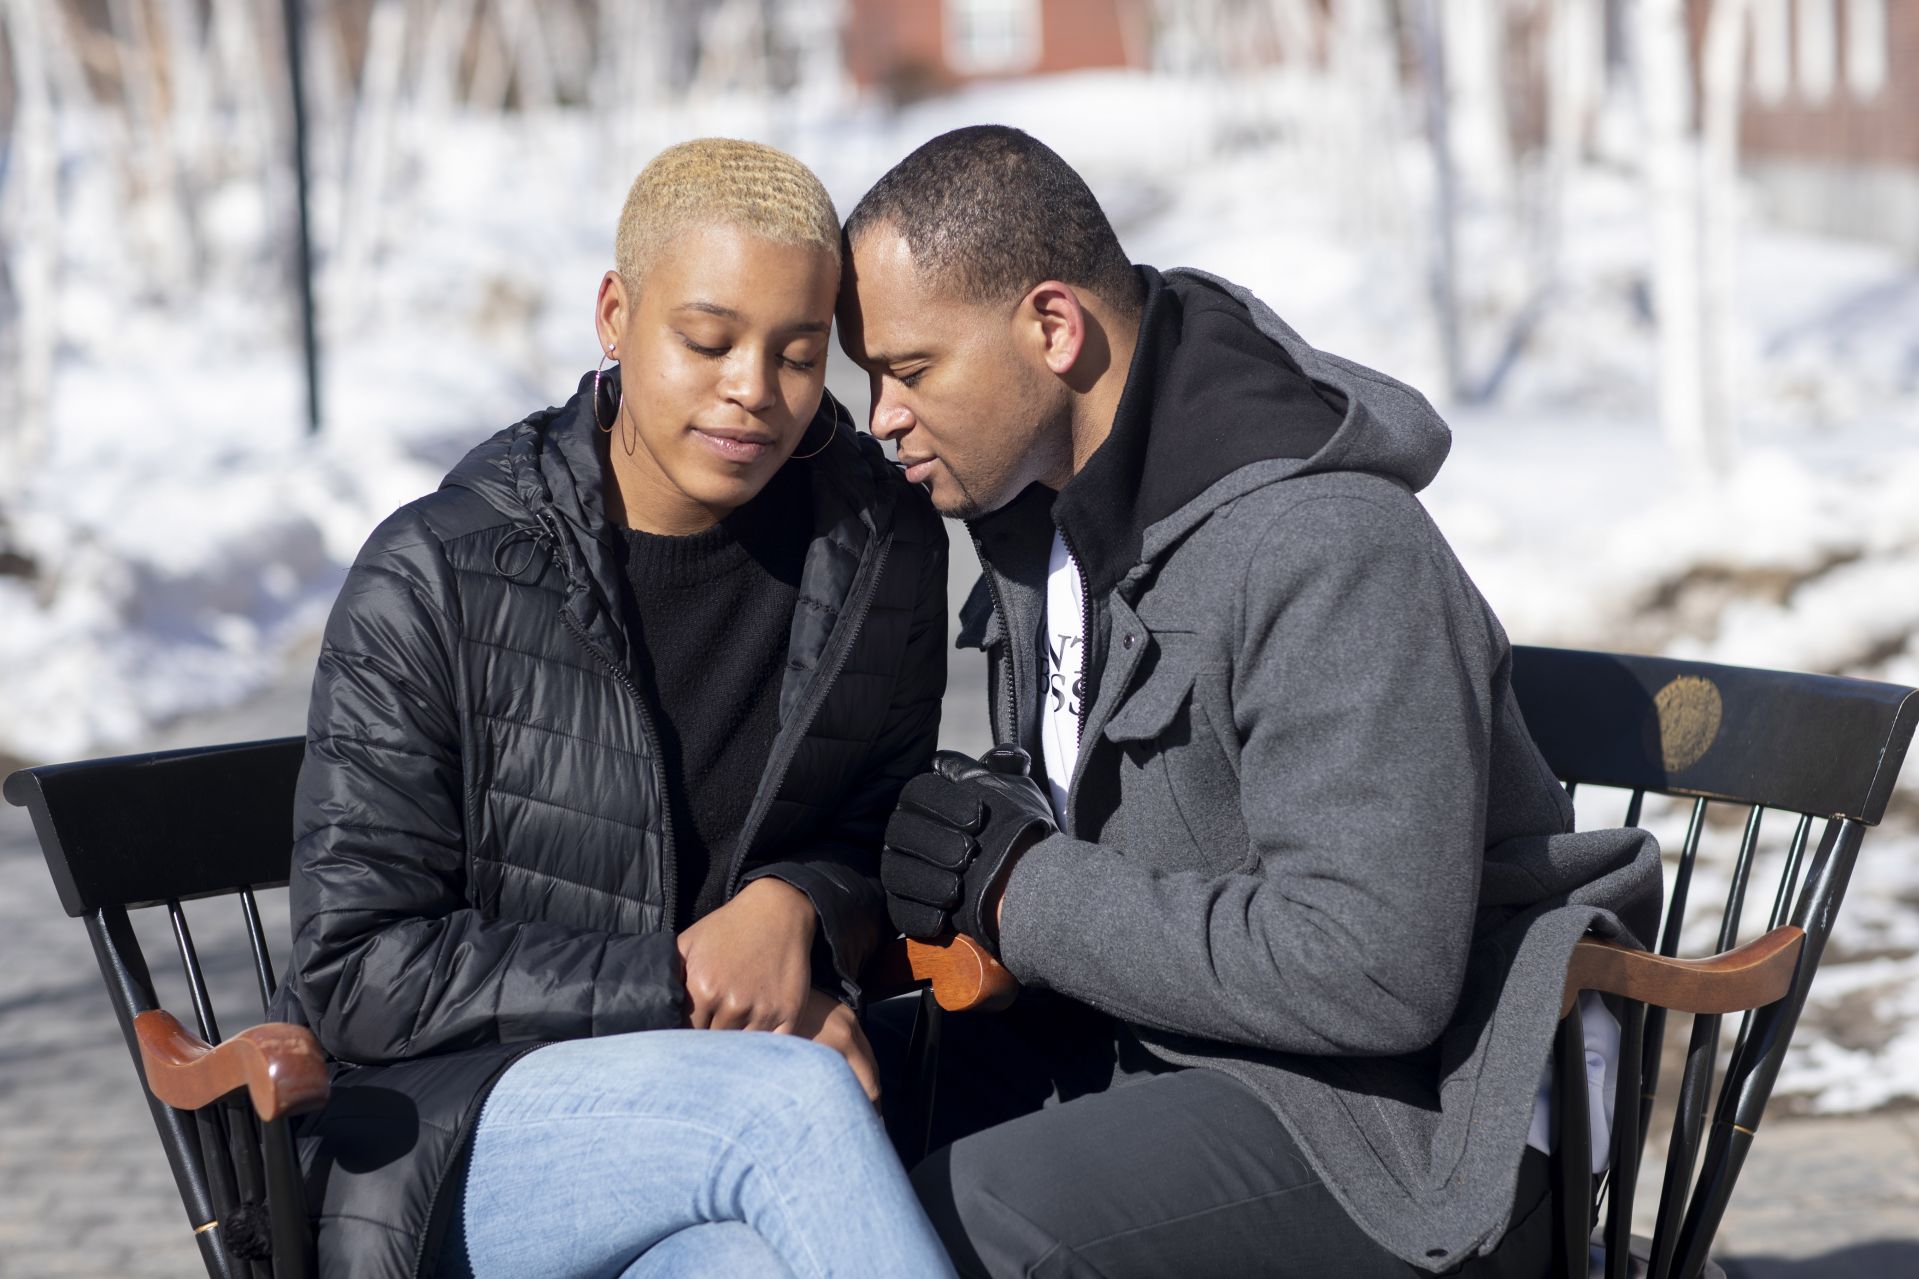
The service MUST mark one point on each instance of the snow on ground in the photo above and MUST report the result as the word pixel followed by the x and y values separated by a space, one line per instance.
pixel 184 534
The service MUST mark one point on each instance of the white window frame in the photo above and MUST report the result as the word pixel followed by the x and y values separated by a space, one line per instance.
pixel 1866 52
pixel 1816 49
pixel 992 37
pixel 1771 50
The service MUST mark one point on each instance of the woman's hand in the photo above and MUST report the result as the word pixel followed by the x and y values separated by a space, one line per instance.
pixel 749 963
pixel 826 1020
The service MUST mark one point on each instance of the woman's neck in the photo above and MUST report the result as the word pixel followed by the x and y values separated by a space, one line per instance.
pixel 639 494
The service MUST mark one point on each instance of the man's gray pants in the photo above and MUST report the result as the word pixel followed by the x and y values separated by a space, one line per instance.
pixel 1061 1149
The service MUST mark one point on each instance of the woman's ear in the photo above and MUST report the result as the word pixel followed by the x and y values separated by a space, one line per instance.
pixel 611 313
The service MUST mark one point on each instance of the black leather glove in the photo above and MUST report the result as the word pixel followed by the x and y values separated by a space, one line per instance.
pixel 951 839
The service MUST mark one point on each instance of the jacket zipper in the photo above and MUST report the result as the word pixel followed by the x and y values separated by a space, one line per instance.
pixel 1007 699
pixel 439 1182
pixel 852 619
pixel 669 873
pixel 1085 651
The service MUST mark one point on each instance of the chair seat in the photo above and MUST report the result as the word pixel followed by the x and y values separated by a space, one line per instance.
pixel 1642 1261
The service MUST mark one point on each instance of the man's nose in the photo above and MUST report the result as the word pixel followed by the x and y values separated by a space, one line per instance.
pixel 890 419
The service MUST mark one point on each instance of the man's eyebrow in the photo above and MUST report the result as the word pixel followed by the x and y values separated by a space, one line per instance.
pixel 728 313
pixel 882 360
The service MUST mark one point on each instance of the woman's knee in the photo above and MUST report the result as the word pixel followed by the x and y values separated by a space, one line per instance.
pixel 646 1073
pixel 796 1072
pixel 709 1248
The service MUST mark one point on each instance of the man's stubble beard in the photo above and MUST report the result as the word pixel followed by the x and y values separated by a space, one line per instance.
pixel 1053 436
pixel 970 507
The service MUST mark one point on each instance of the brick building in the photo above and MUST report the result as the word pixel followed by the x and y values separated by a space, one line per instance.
pixel 1829 132
pixel 914 47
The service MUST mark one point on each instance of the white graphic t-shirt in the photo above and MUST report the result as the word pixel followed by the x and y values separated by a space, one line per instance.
pixel 1065 674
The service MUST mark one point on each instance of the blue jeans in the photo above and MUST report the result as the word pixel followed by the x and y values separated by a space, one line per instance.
pixel 685 1152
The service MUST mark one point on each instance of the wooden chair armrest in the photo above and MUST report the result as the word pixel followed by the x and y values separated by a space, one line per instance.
pixel 964 976
pixel 279 1064
pixel 1749 976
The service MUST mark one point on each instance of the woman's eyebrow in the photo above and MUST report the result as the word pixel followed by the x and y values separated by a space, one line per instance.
pixel 728 313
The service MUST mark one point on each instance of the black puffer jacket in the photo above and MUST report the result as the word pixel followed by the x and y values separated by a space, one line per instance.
pixel 483 861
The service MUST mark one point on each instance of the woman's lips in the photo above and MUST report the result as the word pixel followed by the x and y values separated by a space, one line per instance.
pixel 734 448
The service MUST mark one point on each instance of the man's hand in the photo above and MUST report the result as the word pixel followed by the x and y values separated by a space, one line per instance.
pixel 749 963
pixel 953 840
pixel 825 1020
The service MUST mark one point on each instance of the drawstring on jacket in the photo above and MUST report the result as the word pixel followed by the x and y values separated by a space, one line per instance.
pixel 534 533
pixel 545 534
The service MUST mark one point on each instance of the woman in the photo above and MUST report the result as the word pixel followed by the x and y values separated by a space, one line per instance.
pixel 602 741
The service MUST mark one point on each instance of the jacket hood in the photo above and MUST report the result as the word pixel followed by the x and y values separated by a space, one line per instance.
pixel 546 476
pixel 551 466
pixel 1221 395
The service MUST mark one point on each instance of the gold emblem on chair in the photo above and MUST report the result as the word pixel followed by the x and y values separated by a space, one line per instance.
pixel 1689 711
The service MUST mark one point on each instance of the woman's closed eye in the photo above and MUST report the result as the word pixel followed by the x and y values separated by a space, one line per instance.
pixel 797 364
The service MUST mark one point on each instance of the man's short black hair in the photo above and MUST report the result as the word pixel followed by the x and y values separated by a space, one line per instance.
pixel 989 211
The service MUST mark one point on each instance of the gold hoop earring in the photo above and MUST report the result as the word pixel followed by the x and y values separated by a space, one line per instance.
pixel 801 457
pixel 606 428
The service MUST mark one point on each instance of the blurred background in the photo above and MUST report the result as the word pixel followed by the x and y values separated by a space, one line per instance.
pixel 1657 261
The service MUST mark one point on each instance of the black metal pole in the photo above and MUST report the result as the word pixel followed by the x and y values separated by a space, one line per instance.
pixel 296 81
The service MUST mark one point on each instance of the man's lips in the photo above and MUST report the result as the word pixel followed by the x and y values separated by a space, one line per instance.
pixel 733 444
pixel 917 468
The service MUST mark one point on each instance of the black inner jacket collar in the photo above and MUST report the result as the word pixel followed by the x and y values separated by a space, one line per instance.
pixel 1207 393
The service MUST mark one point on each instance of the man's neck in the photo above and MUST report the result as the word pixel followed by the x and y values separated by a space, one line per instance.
pixel 1095 408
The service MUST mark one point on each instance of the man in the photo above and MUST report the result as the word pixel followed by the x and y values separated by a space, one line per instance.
pixel 1291 890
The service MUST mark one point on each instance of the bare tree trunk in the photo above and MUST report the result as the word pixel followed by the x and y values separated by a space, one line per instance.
pixel 366 173
pixel 1474 33
pixel 569 47
pixel 238 52
pixel 157 168
pixel 1575 61
pixel 1672 172
pixel 812 29
pixel 492 77
pixel 1364 68
pixel 1444 267
pixel 66 80
pixel 443 56
pixel 1721 69
pixel 188 107
pixel 34 257
pixel 524 33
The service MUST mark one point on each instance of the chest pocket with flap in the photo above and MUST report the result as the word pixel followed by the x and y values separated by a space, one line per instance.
pixel 1178 787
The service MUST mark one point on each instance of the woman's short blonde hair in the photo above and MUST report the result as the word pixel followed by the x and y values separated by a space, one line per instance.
pixel 757 188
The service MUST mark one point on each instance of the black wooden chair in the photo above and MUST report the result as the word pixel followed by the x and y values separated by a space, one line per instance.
pixel 1816 748
pixel 156 830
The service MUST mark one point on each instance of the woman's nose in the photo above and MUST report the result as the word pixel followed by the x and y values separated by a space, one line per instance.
pixel 751 383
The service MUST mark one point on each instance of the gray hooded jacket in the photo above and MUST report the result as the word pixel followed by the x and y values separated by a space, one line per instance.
pixel 1310 842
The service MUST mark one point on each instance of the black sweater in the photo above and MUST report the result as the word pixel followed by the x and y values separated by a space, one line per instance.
pixel 712 612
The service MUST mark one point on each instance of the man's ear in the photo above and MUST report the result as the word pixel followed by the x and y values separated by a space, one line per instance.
pixel 611 313
pixel 1052 316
